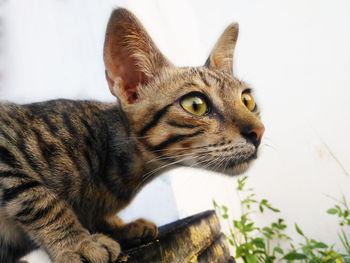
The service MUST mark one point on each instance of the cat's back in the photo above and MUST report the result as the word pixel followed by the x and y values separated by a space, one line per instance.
pixel 53 137
pixel 30 114
pixel 54 115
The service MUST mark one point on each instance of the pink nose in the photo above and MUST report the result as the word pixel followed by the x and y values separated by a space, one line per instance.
pixel 253 135
pixel 258 133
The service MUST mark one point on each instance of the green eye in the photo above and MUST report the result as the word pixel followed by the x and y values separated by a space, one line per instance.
pixel 194 105
pixel 248 101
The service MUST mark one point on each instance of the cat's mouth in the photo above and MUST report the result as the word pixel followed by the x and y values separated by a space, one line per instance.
pixel 238 166
pixel 235 162
pixel 229 162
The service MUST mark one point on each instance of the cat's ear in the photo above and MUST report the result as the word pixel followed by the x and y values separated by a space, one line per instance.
pixel 221 57
pixel 131 58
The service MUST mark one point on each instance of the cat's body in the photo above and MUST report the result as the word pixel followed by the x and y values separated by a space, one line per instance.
pixel 67 167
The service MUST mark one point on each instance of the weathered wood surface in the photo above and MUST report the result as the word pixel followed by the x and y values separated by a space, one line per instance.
pixel 194 239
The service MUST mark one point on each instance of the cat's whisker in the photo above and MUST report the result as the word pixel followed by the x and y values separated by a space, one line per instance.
pixel 148 175
pixel 218 162
pixel 212 166
pixel 209 163
pixel 198 163
pixel 185 148
pixel 166 165
pixel 224 162
pixel 177 149
pixel 227 160
pixel 167 157
pixel 271 146
pixel 204 147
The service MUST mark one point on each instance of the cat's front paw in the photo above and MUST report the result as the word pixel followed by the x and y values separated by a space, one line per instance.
pixel 138 231
pixel 97 248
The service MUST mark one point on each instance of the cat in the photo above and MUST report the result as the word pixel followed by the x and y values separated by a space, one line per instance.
pixel 67 167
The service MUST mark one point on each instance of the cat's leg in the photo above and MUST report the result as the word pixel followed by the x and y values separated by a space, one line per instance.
pixel 14 242
pixel 128 234
pixel 51 222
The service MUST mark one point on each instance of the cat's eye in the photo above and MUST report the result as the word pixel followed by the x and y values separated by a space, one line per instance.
pixel 248 101
pixel 194 104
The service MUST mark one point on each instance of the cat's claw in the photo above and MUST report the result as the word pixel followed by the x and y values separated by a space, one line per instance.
pixel 97 248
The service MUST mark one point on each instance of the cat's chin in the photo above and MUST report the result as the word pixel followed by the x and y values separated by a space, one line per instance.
pixel 234 170
pixel 237 169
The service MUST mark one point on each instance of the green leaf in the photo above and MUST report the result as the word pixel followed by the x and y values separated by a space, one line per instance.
pixel 279 250
pixel 259 251
pixel 241 183
pixel 225 216
pixel 224 208
pixel 239 252
pixel 273 209
pixel 243 219
pixel 259 242
pixel 215 204
pixel 279 226
pixel 267 235
pixel 237 224
pixel 332 211
pixel 325 254
pixel 320 245
pixel 249 246
pixel 316 260
pixel 270 259
pixel 249 227
pixel 251 258
pixel 231 242
pixel 297 228
pixel 294 256
pixel 268 230
pixel 261 208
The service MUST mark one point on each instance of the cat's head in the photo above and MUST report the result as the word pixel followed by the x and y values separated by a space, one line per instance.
pixel 201 117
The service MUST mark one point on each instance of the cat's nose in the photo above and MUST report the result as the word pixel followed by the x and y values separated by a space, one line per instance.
pixel 253 135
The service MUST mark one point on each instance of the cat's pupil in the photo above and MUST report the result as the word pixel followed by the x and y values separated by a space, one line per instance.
pixel 194 106
pixel 245 102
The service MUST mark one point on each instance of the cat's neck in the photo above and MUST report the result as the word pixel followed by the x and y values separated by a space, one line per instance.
pixel 129 164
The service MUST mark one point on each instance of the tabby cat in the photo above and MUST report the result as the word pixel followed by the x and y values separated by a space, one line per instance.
pixel 67 167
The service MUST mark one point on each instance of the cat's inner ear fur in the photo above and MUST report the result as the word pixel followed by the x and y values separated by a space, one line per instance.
pixel 131 58
pixel 221 57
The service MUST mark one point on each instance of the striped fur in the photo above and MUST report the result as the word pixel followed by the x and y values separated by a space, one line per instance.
pixel 67 167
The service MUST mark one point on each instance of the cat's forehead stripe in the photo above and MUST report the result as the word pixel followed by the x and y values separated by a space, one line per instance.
pixel 207 75
pixel 205 81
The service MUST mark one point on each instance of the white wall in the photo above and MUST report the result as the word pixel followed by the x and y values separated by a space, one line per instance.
pixel 294 53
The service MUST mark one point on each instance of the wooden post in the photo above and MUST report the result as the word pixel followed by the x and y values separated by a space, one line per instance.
pixel 194 239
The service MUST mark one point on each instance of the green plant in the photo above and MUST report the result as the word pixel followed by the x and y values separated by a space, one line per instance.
pixel 255 244
pixel 313 251
pixel 343 212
